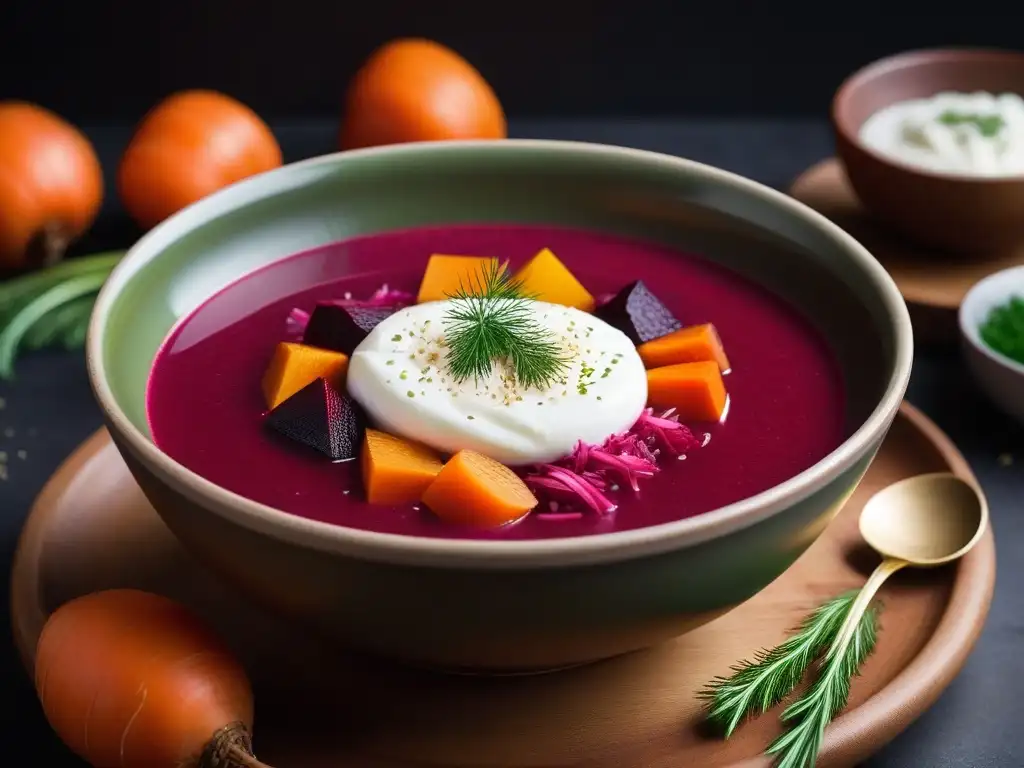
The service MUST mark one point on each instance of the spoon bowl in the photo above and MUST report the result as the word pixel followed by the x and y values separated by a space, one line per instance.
pixel 925 521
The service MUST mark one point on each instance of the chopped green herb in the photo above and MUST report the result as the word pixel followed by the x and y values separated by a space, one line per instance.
pixel 397 337
pixel 987 125
pixel 410 393
pixel 390 362
pixel 1003 329
pixel 403 375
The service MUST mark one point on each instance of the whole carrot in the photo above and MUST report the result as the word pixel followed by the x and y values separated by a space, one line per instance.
pixel 130 679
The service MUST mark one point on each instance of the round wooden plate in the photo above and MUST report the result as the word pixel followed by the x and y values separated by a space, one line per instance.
pixel 91 529
pixel 933 284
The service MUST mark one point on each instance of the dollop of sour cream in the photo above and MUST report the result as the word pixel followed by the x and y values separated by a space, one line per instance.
pixel 400 377
pixel 973 134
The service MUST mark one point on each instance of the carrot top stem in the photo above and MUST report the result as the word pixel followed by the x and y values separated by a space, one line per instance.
pixel 246 760
pixel 230 747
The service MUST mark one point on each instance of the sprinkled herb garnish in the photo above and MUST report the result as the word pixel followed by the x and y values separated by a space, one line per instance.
pixel 1003 329
pixel 987 125
pixel 490 320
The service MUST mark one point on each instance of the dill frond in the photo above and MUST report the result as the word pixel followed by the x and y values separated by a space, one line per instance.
pixel 490 320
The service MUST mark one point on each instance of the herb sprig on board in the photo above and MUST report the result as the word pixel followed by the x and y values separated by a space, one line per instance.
pixel 490 319
pixel 758 685
pixel 50 307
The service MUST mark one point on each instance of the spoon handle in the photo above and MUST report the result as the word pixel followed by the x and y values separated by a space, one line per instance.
pixel 885 569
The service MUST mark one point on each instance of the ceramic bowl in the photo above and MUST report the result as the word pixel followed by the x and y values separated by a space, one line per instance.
pixel 960 214
pixel 998 376
pixel 501 606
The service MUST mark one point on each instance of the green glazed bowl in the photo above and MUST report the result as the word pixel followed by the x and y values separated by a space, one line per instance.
pixel 501 606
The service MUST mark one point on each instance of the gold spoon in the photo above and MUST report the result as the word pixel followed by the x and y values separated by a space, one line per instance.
pixel 923 521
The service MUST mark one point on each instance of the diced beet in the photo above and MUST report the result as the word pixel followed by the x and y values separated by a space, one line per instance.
pixel 321 417
pixel 341 326
pixel 638 313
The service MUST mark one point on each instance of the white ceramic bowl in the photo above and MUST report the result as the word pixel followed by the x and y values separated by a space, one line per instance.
pixel 998 376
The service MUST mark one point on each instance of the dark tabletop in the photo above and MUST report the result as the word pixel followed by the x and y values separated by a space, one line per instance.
pixel 979 720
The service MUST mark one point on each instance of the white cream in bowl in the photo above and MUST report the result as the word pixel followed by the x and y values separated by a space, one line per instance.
pixel 969 134
pixel 398 374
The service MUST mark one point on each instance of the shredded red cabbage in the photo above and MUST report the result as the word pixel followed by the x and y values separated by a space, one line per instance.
pixel 295 324
pixel 392 297
pixel 582 479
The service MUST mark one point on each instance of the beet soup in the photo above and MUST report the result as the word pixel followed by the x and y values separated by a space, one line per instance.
pixel 207 411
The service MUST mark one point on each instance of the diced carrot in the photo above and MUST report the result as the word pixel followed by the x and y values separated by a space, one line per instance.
pixel 694 344
pixel 478 491
pixel 548 279
pixel 695 390
pixel 445 275
pixel 295 366
pixel 396 471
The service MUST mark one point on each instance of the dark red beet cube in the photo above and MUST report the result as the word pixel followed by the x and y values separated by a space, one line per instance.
pixel 321 417
pixel 638 313
pixel 341 326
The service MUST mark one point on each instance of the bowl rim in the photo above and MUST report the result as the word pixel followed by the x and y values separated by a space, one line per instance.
pixel 906 59
pixel 970 331
pixel 496 554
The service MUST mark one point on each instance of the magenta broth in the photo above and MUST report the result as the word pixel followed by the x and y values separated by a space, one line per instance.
pixel 206 409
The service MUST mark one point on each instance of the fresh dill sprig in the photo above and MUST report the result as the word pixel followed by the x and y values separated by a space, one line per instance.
pixel 758 685
pixel 811 713
pixel 490 320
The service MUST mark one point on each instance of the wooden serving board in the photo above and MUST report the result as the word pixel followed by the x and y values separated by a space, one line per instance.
pixel 933 284
pixel 316 707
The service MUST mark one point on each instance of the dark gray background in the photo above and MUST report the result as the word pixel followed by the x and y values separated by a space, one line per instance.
pixel 112 59
pixel 976 723
pixel 742 85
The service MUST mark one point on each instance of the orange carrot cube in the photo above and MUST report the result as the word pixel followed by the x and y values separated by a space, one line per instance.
pixel 445 275
pixel 694 344
pixel 295 366
pixel 475 490
pixel 548 279
pixel 695 390
pixel 396 471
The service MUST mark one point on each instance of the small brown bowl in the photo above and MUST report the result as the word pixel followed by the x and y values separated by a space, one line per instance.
pixel 956 213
